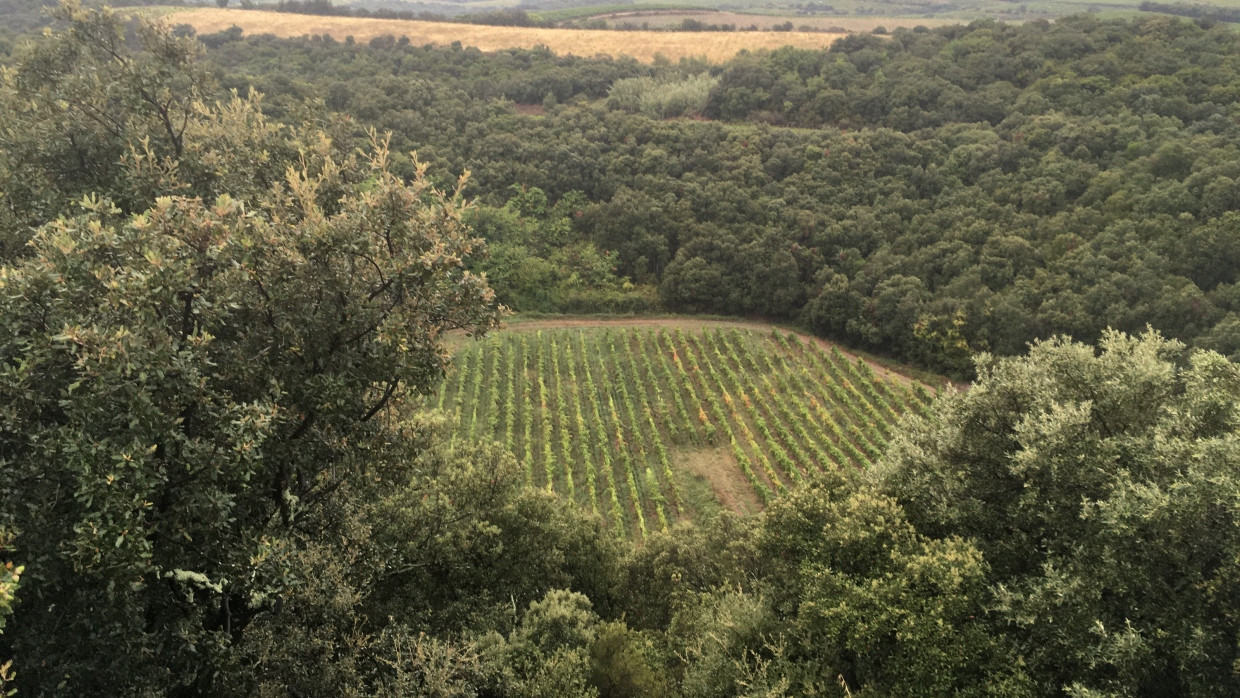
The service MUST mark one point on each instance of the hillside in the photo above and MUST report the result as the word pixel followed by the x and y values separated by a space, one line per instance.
pixel 928 196
pixel 263 431
pixel 647 426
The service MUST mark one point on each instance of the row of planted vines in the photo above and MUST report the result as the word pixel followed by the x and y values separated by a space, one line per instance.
pixel 601 416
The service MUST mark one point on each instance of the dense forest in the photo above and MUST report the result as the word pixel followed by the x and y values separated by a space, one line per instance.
pixel 930 195
pixel 220 312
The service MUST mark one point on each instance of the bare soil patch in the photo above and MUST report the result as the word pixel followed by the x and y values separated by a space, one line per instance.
pixel 718 468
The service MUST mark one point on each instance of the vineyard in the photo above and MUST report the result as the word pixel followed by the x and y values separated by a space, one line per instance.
pixel 607 417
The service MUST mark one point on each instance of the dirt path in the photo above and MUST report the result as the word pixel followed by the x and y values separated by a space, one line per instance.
pixel 690 323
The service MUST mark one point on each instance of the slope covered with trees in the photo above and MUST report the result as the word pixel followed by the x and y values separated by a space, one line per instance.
pixel 217 332
pixel 959 189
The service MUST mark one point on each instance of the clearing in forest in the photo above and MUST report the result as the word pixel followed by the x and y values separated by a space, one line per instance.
pixel 641 45
pixel 648 425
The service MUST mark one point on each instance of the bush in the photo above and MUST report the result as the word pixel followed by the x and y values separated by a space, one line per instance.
pixel 662 99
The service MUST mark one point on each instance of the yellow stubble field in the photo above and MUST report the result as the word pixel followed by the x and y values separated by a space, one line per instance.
pixel 641 45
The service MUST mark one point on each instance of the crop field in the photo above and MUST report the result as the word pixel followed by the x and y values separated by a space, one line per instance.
pixel 855 15
pixel 656 19
pixel 641 45
pixel 645 426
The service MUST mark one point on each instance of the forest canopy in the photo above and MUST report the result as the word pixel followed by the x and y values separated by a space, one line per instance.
pixel 929 195
pixel 219 307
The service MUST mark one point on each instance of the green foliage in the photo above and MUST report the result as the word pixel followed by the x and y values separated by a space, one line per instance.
pixel 89 112
pixel 875 602
pixel 670 570
pixel 213 328
pixel 637 227
pixel 10 581
pixel 67 133
pixel 208 376
pixel 622 663
pixel 843 593
pixel 562 648
pixel 400 595
pixel 191 393
pixel 536 263
pixel 1100 487
pixel 662 99
pixel 960 190
pixel 731 642
pixel 635 401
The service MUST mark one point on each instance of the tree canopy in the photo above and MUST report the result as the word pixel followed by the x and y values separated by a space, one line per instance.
pixel 930 195
pixel 1101 488
pixel 218 312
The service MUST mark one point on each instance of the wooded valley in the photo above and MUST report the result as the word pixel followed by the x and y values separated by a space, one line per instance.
pixel 929 196
pixel 340 368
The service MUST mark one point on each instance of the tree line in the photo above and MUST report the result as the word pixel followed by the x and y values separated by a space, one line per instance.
pixel 1194 10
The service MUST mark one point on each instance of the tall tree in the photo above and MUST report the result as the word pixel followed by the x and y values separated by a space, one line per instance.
pixel 194 392
pixel 1101 487
pixel 125 109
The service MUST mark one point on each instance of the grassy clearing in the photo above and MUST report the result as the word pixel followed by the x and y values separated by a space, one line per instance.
pixel 647 425
pixel 643 46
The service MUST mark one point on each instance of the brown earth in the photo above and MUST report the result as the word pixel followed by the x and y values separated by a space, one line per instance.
pixel 719 468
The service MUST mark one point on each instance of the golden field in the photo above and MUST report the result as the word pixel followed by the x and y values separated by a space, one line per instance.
pixel 668 18
pixel 642 45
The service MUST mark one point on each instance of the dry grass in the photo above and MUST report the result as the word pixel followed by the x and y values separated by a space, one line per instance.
pixel 642 45
pixel 719 471
pixel 668 18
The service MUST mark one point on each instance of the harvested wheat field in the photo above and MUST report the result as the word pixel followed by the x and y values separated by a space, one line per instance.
pixel 642 45
pixel 657 19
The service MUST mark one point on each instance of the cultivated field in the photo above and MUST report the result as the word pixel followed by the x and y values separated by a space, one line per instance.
pixel 646 425
pixel 644 46
pixel 656 19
